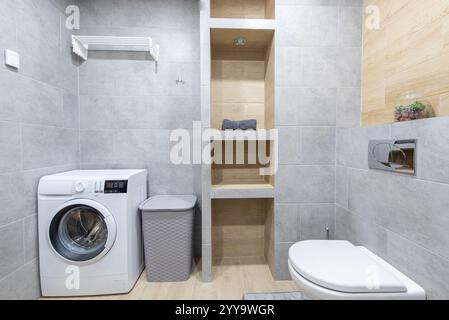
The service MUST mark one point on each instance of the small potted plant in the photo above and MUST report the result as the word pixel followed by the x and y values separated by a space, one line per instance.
pixel 411 106
pixel 414 111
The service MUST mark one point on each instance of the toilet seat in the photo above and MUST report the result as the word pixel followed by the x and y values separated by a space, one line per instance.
pixel 339 270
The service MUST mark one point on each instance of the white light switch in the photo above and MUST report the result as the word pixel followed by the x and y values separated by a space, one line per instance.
pixel 12 59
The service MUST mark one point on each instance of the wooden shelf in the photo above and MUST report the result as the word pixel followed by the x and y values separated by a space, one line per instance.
pixel 243 87
pixel 245 24
pixel 242 191
pixel 244 136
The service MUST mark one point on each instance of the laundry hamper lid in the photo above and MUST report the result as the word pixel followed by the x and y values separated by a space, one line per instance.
pixel 169 203
pixel 340 266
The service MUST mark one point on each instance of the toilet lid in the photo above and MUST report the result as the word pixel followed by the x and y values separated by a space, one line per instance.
pixel 340 266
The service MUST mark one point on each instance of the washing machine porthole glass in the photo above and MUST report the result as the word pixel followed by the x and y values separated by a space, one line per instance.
pixel 79 233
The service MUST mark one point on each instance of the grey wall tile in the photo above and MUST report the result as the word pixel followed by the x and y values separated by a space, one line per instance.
pixel 8 109
pixel 348 107
pixel 428 270
pixel 42 21
pixel 11 248
pixel 206 219
pixel 59 75
pixel 99 12
pixel 105 165
pixel 281 261
pixel 71 111
pixel 176 45
pixel 39 103
pixel 38 21
pixel 398 217
pixel 140 112
pixel 141 13
pixel 22 185
pixel 30 238
pixel 161 112
pixel 351 3
pixel 98 112
pixel 98 146
pixel 305 184
pixel 135 145
pixel 128 105
pixel 289 145
pixel 30 101
pixel 61 5
pixel 317 145
pixel 287 223
pixel 28 182
pixel 143 145
pixel 289 66
pixel 314 220
pixel 23 284
pixel 306 107
pixel 8 13
pixel 360 231
pixel 10 143
pixel 307 26
pixel 342 186
pixel 331 67
pixel 12 187
pixel 350 27
pixel 39 119
pixel 137 78
pixel 205 109
pixel 352 144
pixel 48 146
pixel 433 147
pixel 206 263
pixel 162 177
pixel 409 207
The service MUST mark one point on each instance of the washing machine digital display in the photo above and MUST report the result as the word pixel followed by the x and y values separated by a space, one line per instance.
pixel 116 186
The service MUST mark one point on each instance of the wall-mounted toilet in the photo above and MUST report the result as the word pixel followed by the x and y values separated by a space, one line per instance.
pixel 338 270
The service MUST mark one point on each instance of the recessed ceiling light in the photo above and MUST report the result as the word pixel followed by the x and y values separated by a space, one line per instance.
pixel 240 41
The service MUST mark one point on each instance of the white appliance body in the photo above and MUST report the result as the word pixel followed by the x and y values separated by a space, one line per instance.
pixel 90 239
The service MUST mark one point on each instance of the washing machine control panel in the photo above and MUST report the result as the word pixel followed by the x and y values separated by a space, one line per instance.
pixel 116 186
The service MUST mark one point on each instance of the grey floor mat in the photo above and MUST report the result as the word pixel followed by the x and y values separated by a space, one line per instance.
pixel 275 296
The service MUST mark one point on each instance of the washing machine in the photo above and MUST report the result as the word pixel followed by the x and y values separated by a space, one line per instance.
pixel 90 239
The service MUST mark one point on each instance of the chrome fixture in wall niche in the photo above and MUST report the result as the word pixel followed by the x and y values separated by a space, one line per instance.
pixel 393 155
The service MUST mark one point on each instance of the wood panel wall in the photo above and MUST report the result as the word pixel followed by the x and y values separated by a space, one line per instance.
pixel 270 70
pixel 243 229
pixel 238 91
pixel 240 174
pixel 243 9
pixel 410 53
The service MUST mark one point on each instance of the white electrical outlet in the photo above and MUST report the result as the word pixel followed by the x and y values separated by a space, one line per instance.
pixel 12 59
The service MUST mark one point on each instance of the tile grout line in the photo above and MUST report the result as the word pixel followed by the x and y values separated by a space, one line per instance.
pixel 395 233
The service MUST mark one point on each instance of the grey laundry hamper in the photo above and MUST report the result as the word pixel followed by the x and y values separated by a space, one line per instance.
pixel 167 226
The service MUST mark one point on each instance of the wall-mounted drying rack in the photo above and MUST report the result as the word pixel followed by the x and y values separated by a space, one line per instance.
pixel 83 44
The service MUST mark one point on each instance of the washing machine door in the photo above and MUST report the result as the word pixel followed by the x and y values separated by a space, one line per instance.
pixel 82 231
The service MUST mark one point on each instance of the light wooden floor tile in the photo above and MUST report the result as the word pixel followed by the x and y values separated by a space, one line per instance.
pixel 233 278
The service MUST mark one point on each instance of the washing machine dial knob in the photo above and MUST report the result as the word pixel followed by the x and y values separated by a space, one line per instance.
pixel 80 187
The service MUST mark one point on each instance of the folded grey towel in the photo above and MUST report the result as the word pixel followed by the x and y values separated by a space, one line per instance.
pixel 248 125
pixel 239 125
pixel 229 125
